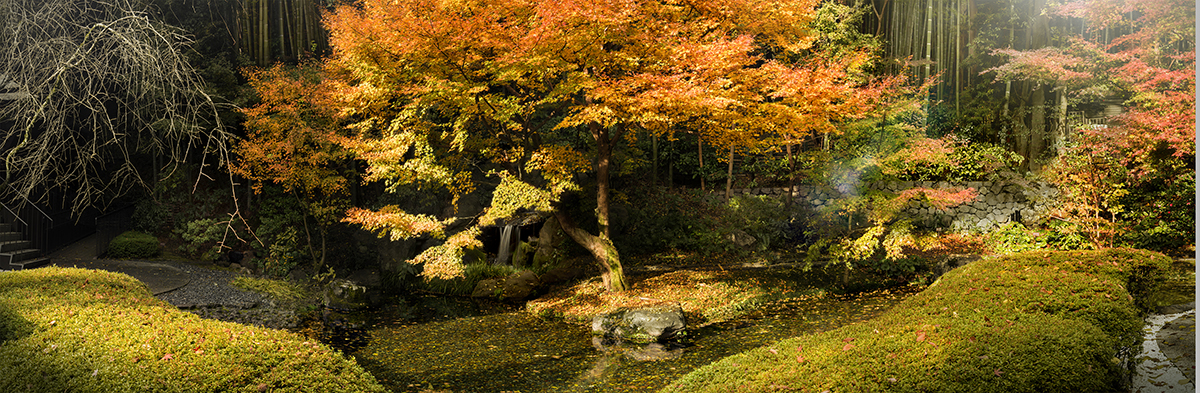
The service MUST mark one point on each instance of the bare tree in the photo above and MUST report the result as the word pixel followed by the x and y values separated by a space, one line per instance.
pixel 100 87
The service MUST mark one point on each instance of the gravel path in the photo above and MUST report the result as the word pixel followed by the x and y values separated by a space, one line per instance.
pixel 210 288
pixel 210 295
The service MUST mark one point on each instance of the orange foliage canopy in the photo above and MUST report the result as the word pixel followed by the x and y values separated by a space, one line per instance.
pixel 291 133
pixel 432 88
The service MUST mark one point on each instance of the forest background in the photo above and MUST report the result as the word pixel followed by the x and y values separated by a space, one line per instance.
pixel 323 135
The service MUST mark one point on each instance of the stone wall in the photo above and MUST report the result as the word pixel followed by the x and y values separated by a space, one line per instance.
pixel 997 204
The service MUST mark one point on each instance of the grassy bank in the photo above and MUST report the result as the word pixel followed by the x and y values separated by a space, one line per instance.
pixel 1037 321
pixel 92 331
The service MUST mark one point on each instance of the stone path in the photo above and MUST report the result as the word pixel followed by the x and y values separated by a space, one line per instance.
pixel 1167 363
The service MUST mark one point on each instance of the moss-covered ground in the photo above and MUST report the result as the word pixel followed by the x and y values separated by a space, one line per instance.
pixel 1036 321
pixel 77 330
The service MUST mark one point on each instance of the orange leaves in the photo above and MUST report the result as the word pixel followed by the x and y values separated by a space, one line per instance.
pixel 291 133
pixel 392 222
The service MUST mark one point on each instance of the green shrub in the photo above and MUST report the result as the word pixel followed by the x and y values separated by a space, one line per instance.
pixel 133 245
pixel 1029 322
pixel 763 217
pixel 1012 238
pixel 203 238
pixel 95 331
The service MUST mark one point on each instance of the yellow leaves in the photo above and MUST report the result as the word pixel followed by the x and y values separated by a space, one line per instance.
pixel 513 195
pixel 396 224
pixel 558 164
pixel 445 261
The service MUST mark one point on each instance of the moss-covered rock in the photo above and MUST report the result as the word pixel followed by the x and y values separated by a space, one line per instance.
pixel 93 331
pixel 1030 322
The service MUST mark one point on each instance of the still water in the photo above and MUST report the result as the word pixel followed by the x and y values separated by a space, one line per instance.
pixel 440 344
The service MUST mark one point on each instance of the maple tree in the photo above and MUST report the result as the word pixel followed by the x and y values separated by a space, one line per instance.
pixel 433 89
pixel 290 141
pixel 1102 170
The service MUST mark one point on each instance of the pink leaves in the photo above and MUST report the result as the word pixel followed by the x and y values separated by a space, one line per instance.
pixel 920 336
pixel 167 357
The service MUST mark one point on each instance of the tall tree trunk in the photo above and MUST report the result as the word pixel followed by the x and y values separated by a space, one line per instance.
pixel 264 52
pixel 280 26
pixel 654 153
pixel 729 177
pixel 671 167
pixel 1037 126
pixel 600 246
pixel 1060 136
pixel 791 193
pixel 700 152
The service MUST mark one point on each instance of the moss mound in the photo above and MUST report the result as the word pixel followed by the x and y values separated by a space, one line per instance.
pixel 76 330
pixel 133 245
pixel 1030 322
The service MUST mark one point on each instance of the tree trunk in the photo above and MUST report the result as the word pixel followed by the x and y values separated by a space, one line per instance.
pixel 1037 126
pixel 791 194
pixel 729 178
pixel 700 152
pixel 264 52
pixel 600 246
pixel 654 153
pixel 671 166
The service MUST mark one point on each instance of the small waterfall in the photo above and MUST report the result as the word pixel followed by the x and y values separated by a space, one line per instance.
pixel 506 244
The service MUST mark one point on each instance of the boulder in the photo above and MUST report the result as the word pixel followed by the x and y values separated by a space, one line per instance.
pixel 343 294
pixel 648 324
pixel 372 281
pixel 517 286
pixel 741 238
pixel 559 275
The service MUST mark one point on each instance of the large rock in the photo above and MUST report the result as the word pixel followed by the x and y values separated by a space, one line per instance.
pixel 560 274
pixel 741 238
pixel 649 324
pixel 344 294
pixel 518 286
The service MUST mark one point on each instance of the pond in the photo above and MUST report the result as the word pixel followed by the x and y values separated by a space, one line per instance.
pixel 439 344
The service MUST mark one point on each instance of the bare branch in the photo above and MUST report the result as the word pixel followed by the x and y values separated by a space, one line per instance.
pixel 99 84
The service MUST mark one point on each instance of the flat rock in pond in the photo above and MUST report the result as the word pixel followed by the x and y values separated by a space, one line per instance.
pixel 648 324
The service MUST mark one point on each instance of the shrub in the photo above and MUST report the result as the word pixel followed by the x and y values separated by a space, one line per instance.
pixel 203 238
pixel 1035 321
pixel 93 331
pixel 133 245
pixel 663 220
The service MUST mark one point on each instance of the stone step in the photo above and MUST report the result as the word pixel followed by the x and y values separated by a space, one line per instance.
pixel 30 263
pixel 15 257
pixel 15 245
pixel 10 236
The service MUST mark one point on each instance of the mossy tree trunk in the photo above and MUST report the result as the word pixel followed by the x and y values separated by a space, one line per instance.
pixel 600 246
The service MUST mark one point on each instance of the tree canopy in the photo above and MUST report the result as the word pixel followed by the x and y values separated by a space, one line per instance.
pixel 433 90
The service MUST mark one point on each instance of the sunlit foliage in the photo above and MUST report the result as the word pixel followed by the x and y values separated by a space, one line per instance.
pixel 434 89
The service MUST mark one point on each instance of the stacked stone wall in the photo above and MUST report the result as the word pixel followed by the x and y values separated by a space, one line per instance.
pixel 997 203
